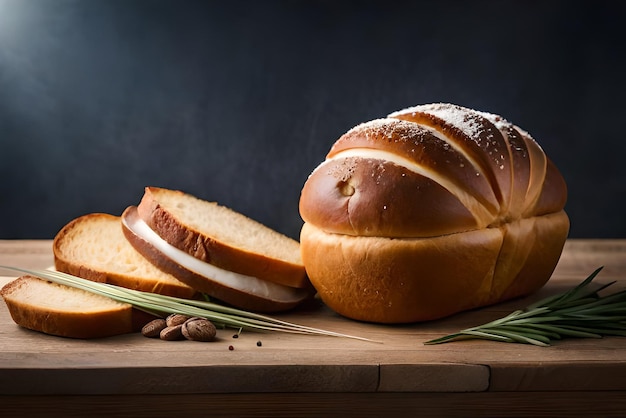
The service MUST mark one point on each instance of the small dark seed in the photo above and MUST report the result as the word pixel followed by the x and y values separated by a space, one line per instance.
pixel 236 336
pixel 259 343
pixel 231 348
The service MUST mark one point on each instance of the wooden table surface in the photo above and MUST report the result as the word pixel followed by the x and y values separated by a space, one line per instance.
pixel 294 375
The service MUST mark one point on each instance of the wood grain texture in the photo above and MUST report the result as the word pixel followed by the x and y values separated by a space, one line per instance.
pixel 286 369
pixel 461 405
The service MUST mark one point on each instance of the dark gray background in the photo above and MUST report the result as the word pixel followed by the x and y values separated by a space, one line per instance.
pixel 237 101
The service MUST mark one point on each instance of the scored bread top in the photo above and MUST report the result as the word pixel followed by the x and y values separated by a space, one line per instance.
pixel 431 170
pixel 93 247
pixel 222 237
pixel 65 311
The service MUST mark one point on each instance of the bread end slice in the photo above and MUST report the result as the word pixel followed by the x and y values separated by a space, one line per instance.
pixel 64 311
pixel 93 247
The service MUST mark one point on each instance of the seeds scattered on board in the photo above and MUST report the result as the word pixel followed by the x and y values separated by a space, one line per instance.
pixel 178 327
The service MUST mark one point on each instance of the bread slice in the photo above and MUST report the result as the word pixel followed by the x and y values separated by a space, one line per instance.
pixel 93 247
pixel 222 237
pixel 64 311
pixel 242 291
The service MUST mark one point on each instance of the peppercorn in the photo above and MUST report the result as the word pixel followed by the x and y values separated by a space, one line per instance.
pixel 259 343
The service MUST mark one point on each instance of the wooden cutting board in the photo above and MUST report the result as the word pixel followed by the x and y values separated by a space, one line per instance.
pixel 338 371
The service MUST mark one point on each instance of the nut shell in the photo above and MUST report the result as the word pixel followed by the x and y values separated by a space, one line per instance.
pixel 199 329
pixel 176 319
pixel 153 328
pixel 172 333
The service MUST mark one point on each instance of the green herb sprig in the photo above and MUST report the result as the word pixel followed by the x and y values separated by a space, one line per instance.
pixel 161 305
pixel 580 312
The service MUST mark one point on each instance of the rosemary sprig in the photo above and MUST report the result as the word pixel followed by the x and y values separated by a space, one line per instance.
pixel 161 305
pixel 579 312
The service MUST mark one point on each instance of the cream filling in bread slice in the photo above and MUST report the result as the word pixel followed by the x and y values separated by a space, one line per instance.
pixel 236 281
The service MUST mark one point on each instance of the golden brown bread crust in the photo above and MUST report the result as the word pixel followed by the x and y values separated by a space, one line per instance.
pixel 68 265
pixel 431 211
pixel 66 323
pixel 214 251
pixel 419 144
pixel 388 280
pixel 378 199
pixel 451 181
pixel 240 299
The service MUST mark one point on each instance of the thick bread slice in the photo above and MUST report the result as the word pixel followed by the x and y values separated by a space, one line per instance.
pixel 65 311
pixel 223 237
pixel 93 247
pixel 244 292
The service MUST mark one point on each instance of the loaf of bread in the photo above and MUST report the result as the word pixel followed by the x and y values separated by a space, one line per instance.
pixel 218 251
pixel 65 311
pixel 94 247
pixel 430 211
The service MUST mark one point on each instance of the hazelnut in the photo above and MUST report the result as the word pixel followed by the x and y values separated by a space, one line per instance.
pixel 199 329
pixel 172 333
pixel 153 328
pixel 176 319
